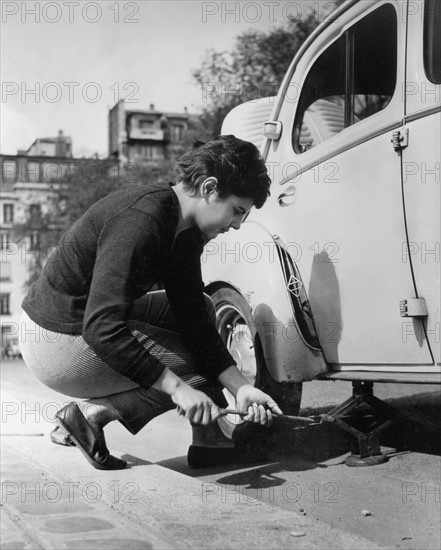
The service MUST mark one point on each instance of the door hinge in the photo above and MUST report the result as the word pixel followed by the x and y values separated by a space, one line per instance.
pixel 413 307
pixel 400 139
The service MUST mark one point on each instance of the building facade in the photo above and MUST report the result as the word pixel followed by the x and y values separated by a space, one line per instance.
pixel 148 137
pixel 31 185
pixel 60 146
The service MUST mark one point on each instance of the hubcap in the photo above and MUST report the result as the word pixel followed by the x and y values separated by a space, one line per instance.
pixel 239 340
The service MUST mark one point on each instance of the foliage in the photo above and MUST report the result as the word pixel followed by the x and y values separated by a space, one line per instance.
pixel 39 235
pixel 68 197
pixel 254 68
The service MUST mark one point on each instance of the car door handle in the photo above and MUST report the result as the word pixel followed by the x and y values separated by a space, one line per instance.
pixel 288 197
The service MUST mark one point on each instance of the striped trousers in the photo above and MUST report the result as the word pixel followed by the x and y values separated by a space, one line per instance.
pixel 66 364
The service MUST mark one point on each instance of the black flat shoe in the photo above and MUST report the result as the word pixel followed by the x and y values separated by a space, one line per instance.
pixel 58 437
pixel 78 429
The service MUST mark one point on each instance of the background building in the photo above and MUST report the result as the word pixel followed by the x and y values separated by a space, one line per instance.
pixel 35 183
pixel 60 146
pixel 31 189
pixel 148 137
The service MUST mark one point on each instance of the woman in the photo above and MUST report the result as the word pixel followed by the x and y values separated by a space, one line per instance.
pixel 93 329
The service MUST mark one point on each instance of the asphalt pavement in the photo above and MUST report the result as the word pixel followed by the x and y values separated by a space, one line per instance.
pixel 301 496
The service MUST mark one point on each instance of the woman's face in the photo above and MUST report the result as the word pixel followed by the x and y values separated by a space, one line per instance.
pixel 215 215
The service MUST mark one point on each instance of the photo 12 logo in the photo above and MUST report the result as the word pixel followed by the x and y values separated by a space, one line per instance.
pixel 13 492
pixel 271 12
pixel 54 92
pixel 69 12
pixel 291 491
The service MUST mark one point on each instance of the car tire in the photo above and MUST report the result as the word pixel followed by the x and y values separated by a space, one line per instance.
pixel 235 324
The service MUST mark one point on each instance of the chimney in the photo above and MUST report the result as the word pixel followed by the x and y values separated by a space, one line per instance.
pixel 152 106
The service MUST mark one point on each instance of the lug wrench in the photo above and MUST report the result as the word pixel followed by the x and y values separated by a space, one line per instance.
pixel 310 420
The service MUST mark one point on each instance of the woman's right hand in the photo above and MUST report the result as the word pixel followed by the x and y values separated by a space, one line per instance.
pixel 195 405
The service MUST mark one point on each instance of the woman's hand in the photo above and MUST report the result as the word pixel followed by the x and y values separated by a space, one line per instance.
pixel 259 405
pixel 195 405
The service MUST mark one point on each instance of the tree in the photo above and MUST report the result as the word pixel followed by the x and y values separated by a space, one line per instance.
pixel 254 68
pixel 39 233
pixel 68 194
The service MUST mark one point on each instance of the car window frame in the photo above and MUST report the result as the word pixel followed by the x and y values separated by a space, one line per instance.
pixel 349 115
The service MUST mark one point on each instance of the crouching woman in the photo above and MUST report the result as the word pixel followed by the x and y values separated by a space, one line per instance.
pixel 95 330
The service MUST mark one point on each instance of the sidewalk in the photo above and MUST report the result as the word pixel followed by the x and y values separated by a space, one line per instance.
pixel 52 498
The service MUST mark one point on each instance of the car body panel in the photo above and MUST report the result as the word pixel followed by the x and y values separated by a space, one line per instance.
pixel 248 261
pixel 421 183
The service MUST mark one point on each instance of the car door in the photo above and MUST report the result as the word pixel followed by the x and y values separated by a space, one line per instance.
pixel 336 198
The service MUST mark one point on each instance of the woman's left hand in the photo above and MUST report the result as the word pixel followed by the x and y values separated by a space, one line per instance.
pixel 259 405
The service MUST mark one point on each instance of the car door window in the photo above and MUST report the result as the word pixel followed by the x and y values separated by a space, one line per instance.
pixel 353 79
pixel 432 40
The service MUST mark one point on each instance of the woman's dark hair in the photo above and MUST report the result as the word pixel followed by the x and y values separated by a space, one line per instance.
pixel 237 165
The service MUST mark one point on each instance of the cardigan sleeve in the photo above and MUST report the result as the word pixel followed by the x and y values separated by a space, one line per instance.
pixel 185 292
pixel 126 243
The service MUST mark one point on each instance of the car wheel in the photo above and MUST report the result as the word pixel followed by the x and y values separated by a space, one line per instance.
pixel 235 324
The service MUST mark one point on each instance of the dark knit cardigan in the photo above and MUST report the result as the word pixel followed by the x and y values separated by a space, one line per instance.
pixel 110 257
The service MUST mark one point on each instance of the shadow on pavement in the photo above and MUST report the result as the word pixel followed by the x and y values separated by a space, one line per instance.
pixel 407 433
pixel 283 448
pixel 276 450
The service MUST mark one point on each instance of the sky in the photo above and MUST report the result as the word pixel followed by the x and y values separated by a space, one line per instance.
pixel 64 64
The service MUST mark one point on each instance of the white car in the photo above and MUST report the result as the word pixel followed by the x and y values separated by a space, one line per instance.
pixel 338 275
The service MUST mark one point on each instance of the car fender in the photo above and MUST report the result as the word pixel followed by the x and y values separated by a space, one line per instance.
pixel 249 261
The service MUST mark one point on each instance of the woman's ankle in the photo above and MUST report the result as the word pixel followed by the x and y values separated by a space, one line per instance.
pixel 99 412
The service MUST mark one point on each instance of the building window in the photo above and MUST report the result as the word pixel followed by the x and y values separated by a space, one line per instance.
pixel 34 241
pixel 35 213
pixel 146 124
pixel 177 133
pixel 9 171
pixel 5 241
pixel 7 329
pixel 5 303
pixel 32 172
pixel 8 213
pixel 147 152
pixel 5 272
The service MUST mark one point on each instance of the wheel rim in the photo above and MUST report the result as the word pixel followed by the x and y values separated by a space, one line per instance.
pixel 239 340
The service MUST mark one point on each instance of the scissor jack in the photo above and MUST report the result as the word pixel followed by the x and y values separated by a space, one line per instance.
pixel 367 428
